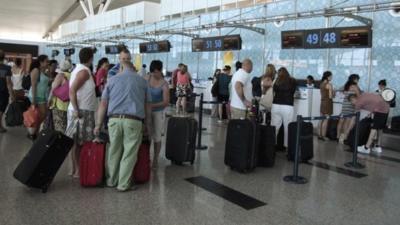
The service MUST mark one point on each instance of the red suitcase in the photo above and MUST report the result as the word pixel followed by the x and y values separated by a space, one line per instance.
pixel 92 164
pixel 141 172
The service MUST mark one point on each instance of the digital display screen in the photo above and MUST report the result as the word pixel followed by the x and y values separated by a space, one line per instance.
pixel 360 37
pixel 69 51
pixel 346 37
pixel 232 43
pixel 322 38
pixel 55 53
pixel 330 38
pixel 292 39
pixel 220 43
pixel 155 47
pixel 112 49
pixel 312 39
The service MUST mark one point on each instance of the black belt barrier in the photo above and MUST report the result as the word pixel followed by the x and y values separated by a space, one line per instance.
pixel 295 178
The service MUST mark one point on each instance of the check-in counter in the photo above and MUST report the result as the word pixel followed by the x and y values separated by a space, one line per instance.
pixel 203 87
pixel 307 100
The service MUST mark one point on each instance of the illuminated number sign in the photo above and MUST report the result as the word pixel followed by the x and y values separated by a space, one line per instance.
pixel 220 43
pixel 155 47
pixel 114 49
pixel 69 51
pixel 346 37
pixel 312 39
pixel 329 38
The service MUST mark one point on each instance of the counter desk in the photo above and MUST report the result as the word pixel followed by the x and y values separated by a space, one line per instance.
pixel 307 101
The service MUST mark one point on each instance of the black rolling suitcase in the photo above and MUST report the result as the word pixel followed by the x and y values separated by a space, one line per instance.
pixel 363 135
pixel 172 96
pixel 331 132
pixel 395 124
pixel 242 144
pixel 306 141
pixel 14 113
pixel 266 154
pixel 191 103
pixel 181 140
pixel 38 168
pixel 280 139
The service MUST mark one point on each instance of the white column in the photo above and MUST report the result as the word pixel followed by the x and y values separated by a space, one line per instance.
pixel 106 5
pixel 84 8
pixel 100 8
pixel 91 10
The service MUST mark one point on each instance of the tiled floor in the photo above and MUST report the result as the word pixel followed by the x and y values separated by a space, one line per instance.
pixel 329 197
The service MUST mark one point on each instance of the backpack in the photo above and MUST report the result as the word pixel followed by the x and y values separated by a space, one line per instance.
pixel 26 82
pixel 215 88
pixel 256 88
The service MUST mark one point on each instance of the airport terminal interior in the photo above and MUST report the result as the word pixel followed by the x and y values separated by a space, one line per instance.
pixel 199 112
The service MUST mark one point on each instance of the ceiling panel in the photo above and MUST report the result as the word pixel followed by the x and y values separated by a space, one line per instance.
pixel 31 21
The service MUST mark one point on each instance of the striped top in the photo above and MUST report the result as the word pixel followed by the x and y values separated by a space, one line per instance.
pixel 347 107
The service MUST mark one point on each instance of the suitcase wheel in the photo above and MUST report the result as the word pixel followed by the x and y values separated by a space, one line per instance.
pixel 179 163
pixel 44 190
pixel 191 162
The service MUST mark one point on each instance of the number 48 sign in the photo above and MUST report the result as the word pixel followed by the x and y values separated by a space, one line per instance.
pixel 324 38
pixel 330 38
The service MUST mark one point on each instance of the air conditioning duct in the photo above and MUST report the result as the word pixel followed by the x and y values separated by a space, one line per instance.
pixel 279 23
pixel 395 12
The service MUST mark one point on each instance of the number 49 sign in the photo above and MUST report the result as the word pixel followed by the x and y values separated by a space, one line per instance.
pixel 324 38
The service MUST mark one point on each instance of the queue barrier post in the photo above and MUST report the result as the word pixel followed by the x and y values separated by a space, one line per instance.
pixel 354 163
pixel 200 125
pixel 295 178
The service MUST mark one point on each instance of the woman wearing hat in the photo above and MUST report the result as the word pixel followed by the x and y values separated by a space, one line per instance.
pixel 56 105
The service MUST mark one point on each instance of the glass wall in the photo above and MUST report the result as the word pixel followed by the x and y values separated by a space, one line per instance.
pixel 382 61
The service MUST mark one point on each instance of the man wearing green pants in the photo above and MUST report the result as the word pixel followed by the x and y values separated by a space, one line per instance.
pixel 125 98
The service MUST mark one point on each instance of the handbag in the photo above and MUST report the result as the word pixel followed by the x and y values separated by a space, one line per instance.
pixel 26 82
pixel 62 91
pixel 72 128
pixel 31 117
pixel 214 89
pixel 267 99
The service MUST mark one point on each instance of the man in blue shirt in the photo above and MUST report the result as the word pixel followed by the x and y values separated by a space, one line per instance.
pixel 127 100
pixel 124 56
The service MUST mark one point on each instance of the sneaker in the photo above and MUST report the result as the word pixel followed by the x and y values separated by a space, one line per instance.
pixel 131 188
pixel 3 130
pixel 334 139
pixel 377 149
pixel 220 121
pixel 363 149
